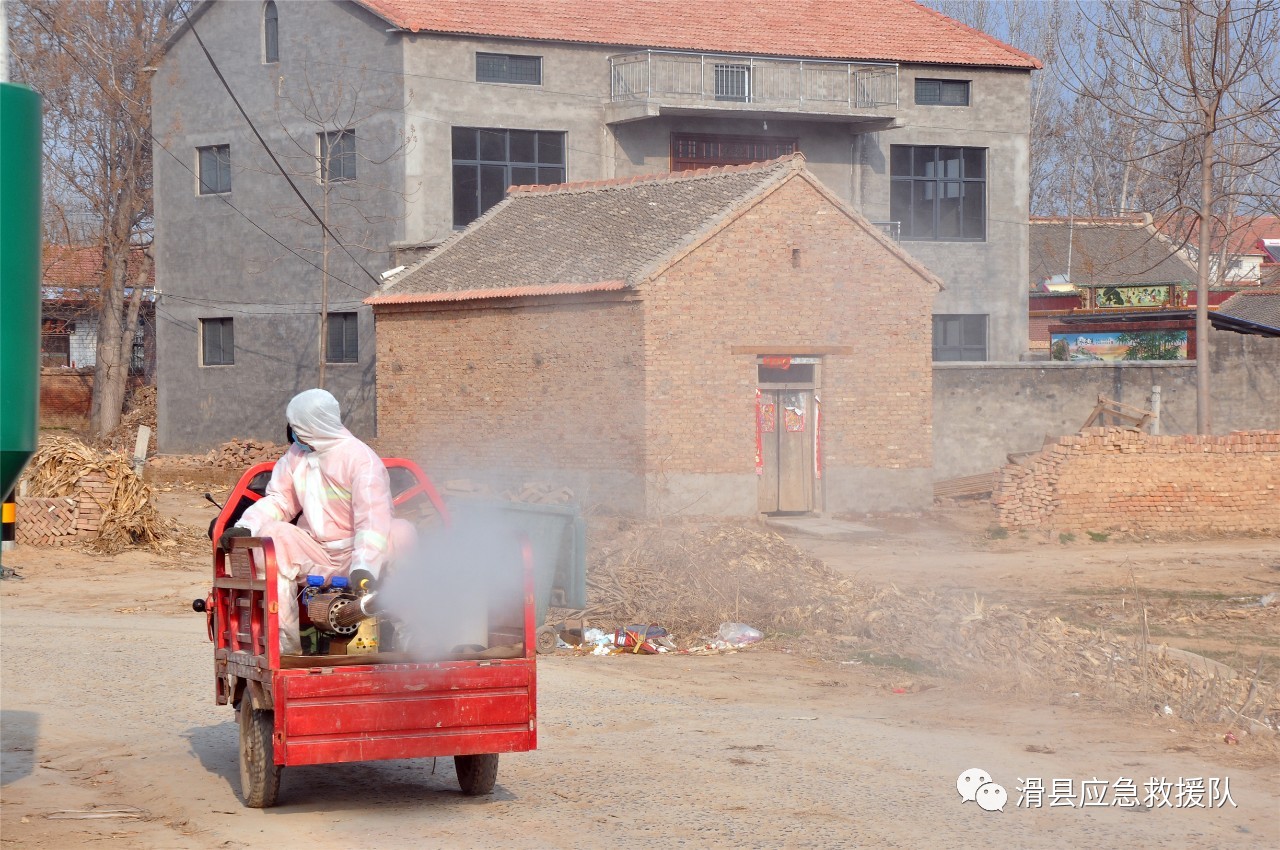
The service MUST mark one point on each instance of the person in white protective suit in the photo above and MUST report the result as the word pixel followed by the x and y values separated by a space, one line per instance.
pixel 341 488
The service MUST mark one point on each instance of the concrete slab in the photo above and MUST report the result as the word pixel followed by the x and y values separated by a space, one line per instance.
pixel 823 527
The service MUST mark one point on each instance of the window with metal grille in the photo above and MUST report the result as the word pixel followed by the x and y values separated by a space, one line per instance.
pixel 503 68
pixel 733 81
pixel 343 344
pixel 270 33
pixel 939 193
pixel 486 162
pixel 942 92
pixel 337 156
pixel 217 342
pixel 215 169
pixel 138 356
pixel 703 151
pixel 55 342
pixel 960 337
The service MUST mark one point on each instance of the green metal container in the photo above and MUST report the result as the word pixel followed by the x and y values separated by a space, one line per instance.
pixel 19 279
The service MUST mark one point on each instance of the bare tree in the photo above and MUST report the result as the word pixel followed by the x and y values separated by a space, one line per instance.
pixel 1199 83
pixel 89 61
pixel 1030 26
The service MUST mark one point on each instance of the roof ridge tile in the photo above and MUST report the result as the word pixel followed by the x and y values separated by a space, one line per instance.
pixel 797 159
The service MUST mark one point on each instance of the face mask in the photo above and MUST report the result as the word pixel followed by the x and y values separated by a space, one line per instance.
pixel 293 438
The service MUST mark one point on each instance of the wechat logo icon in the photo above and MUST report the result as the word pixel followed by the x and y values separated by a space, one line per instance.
pixel 975 786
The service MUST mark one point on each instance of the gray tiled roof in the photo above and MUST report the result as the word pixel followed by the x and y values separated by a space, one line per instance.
pixel 1115 252
pixel 584 233
pixel 1256 307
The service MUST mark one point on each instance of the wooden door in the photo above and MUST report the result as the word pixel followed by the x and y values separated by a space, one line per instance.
pixel 786 448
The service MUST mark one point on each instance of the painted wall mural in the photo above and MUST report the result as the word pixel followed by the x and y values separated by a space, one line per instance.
pixel 1114 346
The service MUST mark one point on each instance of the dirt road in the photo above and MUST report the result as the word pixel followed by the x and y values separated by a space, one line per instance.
pixel 108 711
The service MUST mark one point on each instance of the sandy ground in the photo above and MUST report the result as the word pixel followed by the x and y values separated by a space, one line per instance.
pixel 108 711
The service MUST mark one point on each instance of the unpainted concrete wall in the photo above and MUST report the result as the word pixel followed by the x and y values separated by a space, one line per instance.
pixel 213 257
pixel 985 411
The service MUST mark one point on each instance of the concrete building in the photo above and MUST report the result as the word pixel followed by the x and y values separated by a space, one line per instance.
pixel 725 341
pixel 425 112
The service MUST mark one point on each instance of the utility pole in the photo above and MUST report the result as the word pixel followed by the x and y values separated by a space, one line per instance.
pixel 1202 283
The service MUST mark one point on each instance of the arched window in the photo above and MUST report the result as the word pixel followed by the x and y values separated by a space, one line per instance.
pixel 270 32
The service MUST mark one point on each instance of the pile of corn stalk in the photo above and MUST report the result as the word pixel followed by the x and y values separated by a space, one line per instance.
pixel 129 516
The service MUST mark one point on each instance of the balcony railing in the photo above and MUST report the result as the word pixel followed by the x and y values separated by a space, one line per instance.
pixel 892 229
pixel 800 84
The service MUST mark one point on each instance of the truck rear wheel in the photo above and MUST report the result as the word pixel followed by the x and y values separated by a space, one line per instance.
pixel 476 774
pixel 259 773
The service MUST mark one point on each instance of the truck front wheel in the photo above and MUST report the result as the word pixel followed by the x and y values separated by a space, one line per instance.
pixel 476 774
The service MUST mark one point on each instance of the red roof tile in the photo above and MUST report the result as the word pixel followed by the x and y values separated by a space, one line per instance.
pixel 881 30
pixel 1245 238
pixel 76 266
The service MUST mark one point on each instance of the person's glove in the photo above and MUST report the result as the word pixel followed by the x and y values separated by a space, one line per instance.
pixel 224 542
pixel 362 579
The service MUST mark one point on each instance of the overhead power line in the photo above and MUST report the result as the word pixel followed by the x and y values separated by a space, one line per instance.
pixel 75 58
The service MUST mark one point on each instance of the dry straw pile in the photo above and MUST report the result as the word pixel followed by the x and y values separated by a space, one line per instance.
pixel 129 516
pixel 140 410
pixel 1008 649
pixel 691 576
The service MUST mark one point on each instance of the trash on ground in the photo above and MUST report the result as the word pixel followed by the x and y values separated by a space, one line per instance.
pixel 739 634
pixel 97 813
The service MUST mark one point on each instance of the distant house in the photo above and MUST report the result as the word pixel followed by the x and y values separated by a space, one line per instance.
pixel 729 341
pixel 71 282
pixel 1250 311
pixel 913 119
pixel 1248 254
pixel 1109 289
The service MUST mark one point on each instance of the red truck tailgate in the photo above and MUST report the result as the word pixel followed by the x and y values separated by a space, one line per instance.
pixel 360 713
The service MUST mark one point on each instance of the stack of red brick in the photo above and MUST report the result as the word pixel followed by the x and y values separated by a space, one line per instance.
pixel 1128 481
pixel 66 519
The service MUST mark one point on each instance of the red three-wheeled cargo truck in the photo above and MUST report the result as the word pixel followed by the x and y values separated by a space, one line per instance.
pixel 342 701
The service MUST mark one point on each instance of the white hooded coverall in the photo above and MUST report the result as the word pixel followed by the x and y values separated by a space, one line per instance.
pixel 341 488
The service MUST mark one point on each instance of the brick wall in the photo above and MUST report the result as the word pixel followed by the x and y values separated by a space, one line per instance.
pixel 68 519
pixel 602 392
pixel 1119 480
pixel 65 397
pixel 542 391
pixel 747 287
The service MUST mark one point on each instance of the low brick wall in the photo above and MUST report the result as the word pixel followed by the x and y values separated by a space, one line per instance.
pixel 65 397
pixel 63 520
pixel 1120 480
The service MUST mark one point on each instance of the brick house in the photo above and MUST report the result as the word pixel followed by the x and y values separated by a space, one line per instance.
pixel 726 341
pixel 71 281
pixel 914 120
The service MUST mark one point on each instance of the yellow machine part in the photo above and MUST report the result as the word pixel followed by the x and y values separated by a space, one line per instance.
pixel 366 638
